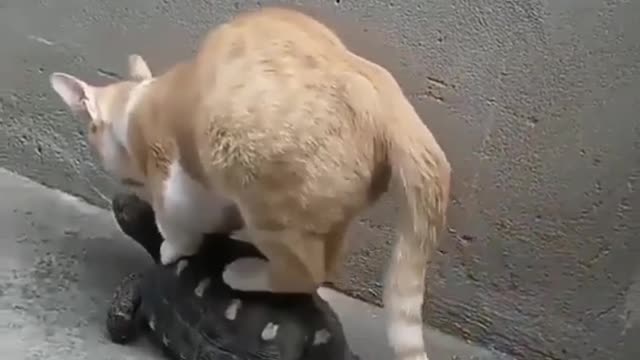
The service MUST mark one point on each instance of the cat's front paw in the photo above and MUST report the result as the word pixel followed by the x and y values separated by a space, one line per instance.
pixel 170 254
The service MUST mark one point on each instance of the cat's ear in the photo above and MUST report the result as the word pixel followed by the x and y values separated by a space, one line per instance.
pixel 138 68
pixel 79 96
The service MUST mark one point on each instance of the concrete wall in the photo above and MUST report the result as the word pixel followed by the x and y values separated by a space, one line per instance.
pixel 536 103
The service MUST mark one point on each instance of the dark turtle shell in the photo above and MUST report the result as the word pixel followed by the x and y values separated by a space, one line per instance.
pixel 193 314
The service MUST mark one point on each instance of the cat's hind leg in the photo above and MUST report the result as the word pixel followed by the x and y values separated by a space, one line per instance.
pixel 296 263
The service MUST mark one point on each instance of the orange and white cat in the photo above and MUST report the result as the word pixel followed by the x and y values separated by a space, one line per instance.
pixel 275 126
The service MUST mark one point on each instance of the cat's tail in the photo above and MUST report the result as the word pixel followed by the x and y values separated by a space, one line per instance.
pixel 421 178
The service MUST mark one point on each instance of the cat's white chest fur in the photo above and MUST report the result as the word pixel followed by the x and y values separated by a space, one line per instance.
pixel 190 205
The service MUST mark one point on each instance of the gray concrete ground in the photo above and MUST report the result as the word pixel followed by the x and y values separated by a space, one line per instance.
pixel 60 259
pixel 535 102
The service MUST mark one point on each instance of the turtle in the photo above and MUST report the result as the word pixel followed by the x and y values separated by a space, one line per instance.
pixel 188 310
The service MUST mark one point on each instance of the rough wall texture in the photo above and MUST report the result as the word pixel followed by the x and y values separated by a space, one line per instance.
pixel 536 103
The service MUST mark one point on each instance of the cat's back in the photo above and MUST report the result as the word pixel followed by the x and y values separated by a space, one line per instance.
pixel 277 45
pixel 275 62
pixel 269 29
pixel 274 83
pixel 274 19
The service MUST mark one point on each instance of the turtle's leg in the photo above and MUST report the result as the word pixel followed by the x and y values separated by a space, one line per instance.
pixel 122 320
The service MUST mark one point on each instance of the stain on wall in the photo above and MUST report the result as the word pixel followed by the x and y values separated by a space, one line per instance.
pixel 535 102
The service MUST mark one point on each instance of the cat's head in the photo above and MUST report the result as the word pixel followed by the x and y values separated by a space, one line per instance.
pixel 105 112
